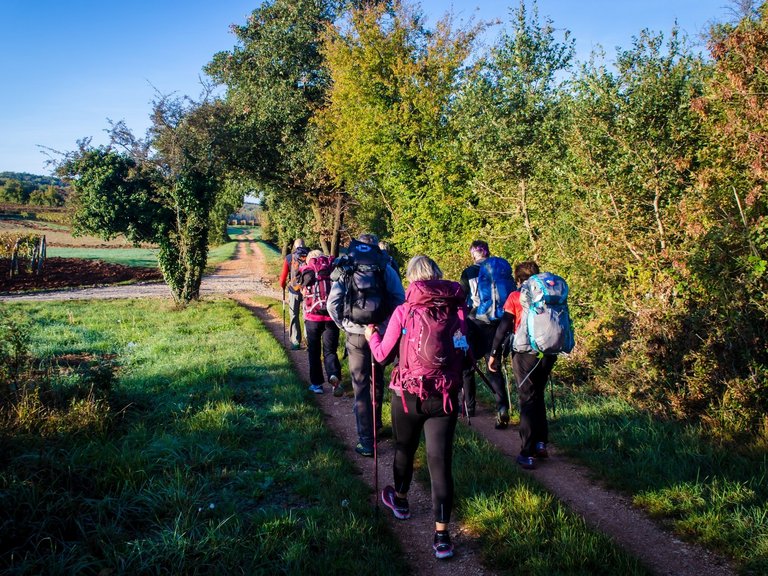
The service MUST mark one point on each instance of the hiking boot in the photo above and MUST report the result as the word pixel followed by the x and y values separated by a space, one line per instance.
pixel 442 546
pixel 502 418
pixel 295 346
pixel 399 506
pixel 335 383
pixel 316 388
pixel 541 450
pixel 364 450
pixel 526 462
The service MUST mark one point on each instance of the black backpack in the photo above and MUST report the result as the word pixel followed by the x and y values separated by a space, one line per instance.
pixel 298 259
pixel 366 300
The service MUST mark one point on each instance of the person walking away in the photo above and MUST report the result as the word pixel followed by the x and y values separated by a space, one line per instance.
pixel 532 367
pixel 366 289
pixel 428 334
pixel 290 277
pixel 322 332
pixel 486 282
pixel 385 248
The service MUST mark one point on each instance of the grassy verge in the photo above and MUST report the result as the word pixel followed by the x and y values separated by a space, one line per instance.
pixel 522 528
pixel 716 495
pixel 204 455
pixel 221 253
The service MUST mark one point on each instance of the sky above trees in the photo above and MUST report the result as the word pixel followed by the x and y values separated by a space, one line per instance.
pixel 67 67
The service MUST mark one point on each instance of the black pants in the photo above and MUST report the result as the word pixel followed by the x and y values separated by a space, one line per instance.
pixel 531 374
pixel 439 429
pixel 322 340
pixel 480 337
pixel 359 362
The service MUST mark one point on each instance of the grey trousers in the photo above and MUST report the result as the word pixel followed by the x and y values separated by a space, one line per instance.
pixel 294 310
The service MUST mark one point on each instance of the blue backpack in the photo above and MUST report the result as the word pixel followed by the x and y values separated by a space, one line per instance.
pixel 546 323
pixel 494 284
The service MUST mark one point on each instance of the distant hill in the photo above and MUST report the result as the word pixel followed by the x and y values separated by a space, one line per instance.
pixel 34 180
pixel 23 188
pixel 249 211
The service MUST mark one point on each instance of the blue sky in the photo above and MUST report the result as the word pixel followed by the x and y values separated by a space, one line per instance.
pixel 69 65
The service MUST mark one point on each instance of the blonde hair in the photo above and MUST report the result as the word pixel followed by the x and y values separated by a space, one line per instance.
pixel 422 267
pixel 314 254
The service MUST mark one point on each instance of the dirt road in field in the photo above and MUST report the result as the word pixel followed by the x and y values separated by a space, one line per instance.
pixel 607 511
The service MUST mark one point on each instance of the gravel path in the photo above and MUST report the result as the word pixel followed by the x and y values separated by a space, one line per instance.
pixel 607 511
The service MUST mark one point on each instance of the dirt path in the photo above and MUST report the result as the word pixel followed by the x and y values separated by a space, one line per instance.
pixel 607 511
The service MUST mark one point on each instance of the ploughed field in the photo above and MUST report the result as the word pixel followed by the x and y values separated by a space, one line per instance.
pixel 70 272
pixel 65 272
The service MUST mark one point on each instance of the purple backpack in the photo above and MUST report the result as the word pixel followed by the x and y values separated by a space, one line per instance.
pixel 433 345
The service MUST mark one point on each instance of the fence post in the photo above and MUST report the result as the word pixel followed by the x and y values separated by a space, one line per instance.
pixel 41 255
pixel 15 259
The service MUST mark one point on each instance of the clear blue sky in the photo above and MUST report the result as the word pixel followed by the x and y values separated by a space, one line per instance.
pixel 68 65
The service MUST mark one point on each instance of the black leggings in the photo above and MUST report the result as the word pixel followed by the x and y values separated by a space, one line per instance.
pixel 439 429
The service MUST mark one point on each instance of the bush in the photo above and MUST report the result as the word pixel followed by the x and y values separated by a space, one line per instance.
pixel 14 352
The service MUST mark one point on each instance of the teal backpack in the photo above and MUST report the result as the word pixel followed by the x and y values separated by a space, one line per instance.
pixel 546 323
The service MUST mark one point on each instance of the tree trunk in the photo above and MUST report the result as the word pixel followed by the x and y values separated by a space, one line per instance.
pixel 320 226
pixel 338 220
pixel 526 219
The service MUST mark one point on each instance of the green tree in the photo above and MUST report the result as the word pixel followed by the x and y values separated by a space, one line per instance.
pixel 388 137
pixel 512 124
pixel 48 196
pixel 633 146
pixel 13 191
pixel 728 219
pixel 160 190
pixel 276 81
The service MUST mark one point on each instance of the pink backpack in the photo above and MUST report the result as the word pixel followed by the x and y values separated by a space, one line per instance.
pixel 316 295
pixel 433 345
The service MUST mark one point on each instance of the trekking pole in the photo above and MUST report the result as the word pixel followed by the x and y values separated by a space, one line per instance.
pixel 284 342
pixel 466 408
pixel 482 375
pixel 375 447
pixel 506 380
pixel 552 395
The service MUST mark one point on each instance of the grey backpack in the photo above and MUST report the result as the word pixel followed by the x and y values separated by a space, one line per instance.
pixel 546 323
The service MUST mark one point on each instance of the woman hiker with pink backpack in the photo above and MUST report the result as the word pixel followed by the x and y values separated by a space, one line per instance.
pixel 428 334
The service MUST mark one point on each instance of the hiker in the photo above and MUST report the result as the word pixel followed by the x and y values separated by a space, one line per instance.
pixel 366 289
pixel 531 372
pixel 291 278
pixel 322 332
pixel 428 334
pixel 384 247
pixel 486 283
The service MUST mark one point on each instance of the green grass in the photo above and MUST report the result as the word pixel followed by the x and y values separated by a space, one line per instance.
pixel 206 455
pixel 221 253
pixel 273 257
pixel 523 529
pixel 207 451
pixel 715 495
pixel 144 257
pixel 235 231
